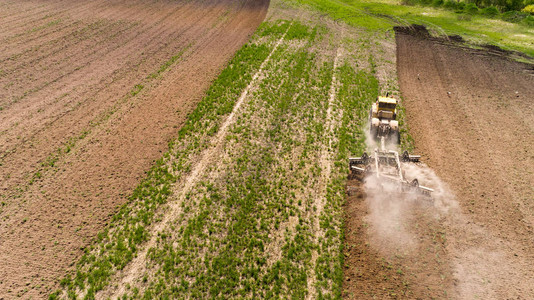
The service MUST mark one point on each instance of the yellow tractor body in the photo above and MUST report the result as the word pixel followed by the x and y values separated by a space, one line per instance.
pixel 382 119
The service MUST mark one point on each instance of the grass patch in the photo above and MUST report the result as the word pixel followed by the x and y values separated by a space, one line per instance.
pixel 382 15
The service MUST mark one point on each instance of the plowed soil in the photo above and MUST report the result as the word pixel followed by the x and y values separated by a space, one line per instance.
pixel 471 113
pixel 91 93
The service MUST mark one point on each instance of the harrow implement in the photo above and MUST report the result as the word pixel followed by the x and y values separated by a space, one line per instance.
pixel 386 165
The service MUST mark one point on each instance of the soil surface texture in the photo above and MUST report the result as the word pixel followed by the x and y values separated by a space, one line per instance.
pixel 471 114
pixel 92 91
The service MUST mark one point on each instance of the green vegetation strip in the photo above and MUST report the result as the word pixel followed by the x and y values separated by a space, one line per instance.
pixel 222 245
pixel 128 229
pixel 357 90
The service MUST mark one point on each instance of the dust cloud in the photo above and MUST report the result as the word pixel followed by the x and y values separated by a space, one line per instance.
pixel 391 209
pixel 480 263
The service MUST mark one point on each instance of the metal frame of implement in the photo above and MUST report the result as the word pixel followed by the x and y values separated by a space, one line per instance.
pixel 386 164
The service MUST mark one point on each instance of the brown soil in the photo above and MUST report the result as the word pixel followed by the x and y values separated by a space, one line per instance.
pixel 367 274
pixel 69 74
pixel 394 246
pixel 471 115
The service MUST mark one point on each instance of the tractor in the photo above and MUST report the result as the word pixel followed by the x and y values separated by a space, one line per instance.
pixel 383 120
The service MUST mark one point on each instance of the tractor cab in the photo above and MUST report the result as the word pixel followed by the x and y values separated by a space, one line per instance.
pixel 386 108
pixel 382 119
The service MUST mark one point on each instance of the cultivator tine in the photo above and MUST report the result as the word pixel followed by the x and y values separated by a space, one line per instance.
pixel 357 169
pixel 406 157
pixel 415 187
pixel 362 160
pixel 425 191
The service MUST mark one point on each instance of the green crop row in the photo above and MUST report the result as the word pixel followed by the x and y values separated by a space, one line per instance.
pixel 221 246
pixel 357 90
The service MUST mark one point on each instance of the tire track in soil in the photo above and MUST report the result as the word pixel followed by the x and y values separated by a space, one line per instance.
pixel 136 266
pixel 325 162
